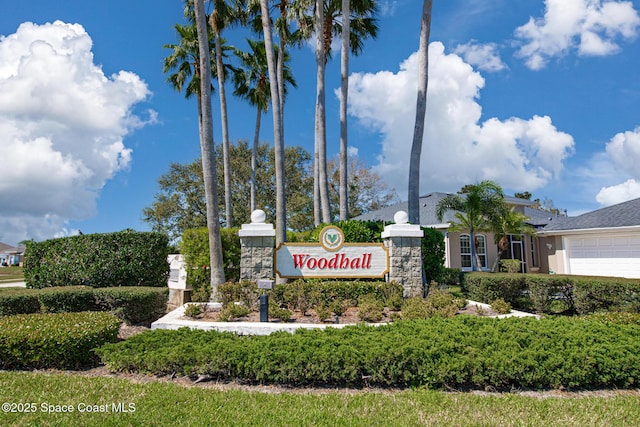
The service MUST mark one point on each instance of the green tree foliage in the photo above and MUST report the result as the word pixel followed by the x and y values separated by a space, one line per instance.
pixel 433 251
pixel 180 205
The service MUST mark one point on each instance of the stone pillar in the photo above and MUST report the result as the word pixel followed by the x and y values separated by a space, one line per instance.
pixel 405 254
pixel 179 294
pixel 256 241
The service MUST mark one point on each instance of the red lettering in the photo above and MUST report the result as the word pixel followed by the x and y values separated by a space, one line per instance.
pixel 344 261
pixel 312 263
pixel 322 263
pixel 355 263
pixel 299 260
pixel 366 261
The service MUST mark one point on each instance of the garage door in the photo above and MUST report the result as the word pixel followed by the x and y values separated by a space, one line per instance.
pixel 604 255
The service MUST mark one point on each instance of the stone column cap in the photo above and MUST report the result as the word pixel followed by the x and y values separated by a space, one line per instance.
pixel 257 228
pixel 401 228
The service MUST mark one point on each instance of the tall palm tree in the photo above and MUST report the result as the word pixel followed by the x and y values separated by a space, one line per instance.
pixel 477 204
pixel 344 93
pixel 224 15
pixel 320 155
pixel 421 108
pixel 278 137
pixel 207 151
pixel 329 22
pixel 251 82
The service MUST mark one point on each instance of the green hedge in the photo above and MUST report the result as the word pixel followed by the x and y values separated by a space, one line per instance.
pixel 550 293
pixel 62 340
pixel 195 248
pixel 131 304
pixel 313 292
pixel 125 258
pixel 463 352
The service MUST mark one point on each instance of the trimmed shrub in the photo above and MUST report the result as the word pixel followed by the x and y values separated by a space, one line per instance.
pixel 487 287
pixel 61 340
pixel 67 299
pixel 134 304
pixel 500 306
pixel 556 293
pixel 462 352
pixel 370 309
pixel 245 292
pixel 125 258
pixel 18 301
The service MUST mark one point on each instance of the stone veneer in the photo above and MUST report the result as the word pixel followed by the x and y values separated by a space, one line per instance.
pixel 256 245
pixel 405 254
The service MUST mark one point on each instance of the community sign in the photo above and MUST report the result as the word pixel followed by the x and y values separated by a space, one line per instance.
pixel 331 258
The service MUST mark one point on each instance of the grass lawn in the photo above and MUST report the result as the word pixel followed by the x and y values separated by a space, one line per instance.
pixel 11 274
pixel 161 403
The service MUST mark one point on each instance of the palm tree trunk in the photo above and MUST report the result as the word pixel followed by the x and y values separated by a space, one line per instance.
pixel 321 125
pixel 226 161
pixel 208 153
pixel 278 139
pixel 344 74
pixel 421 107
pixel 254 156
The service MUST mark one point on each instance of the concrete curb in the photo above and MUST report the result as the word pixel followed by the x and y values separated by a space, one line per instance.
pixel 175 320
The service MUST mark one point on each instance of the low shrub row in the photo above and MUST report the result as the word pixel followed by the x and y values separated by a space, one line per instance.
pixel 58 340
pixel 131 304
pixel 304 294
pixel 463 352
pixel 556 293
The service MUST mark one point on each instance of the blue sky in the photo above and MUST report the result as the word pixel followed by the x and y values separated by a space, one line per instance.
pixel 538 95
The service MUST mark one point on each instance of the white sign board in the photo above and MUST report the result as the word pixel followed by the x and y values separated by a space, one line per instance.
pixel 331 258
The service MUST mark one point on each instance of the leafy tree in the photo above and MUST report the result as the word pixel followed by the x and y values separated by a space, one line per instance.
pixel 367 191
pixel 476 208
pixel 421 107
pixel 180 202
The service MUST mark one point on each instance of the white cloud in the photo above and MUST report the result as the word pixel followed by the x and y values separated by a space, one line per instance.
pixel 62 124
pixel 624 151
pixel 483 56
pixel 622 158
pixel 458 149
pixel 591 27
pixel 628 190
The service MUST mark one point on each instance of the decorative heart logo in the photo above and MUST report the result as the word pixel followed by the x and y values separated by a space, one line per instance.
pixel 332 238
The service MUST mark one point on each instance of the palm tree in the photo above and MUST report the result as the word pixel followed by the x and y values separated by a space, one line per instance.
pixel 476 205
pixel 278 137
pixel 320 155
pixel 421 108
pixel 224 15
pixel 251 82
pixel 344 93
pixel 329 22
pixel 506 222
pixel 207 151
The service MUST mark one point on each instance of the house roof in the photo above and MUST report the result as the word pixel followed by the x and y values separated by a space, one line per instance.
pixel 428 217
pixel 626 214
pixel 8 249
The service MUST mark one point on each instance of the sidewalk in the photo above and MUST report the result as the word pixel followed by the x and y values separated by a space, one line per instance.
pixel 13 285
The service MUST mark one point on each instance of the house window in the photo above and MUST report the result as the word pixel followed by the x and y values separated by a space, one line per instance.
pixel 534 252
pixel 481 251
